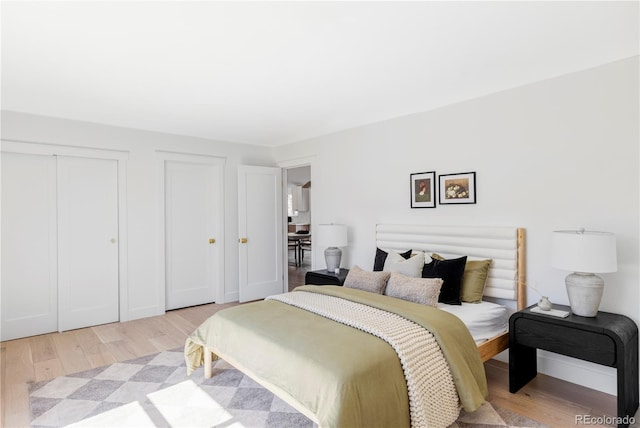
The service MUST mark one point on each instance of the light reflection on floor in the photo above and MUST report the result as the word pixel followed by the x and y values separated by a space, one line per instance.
pixel 180 405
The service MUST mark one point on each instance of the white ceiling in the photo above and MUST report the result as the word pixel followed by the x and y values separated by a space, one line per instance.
pixel 271 73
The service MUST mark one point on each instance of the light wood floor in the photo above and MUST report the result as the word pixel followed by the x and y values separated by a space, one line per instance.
pixel 38 358
pixel 47 356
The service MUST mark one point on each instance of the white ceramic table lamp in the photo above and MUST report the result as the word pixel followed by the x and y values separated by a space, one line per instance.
pixel 585 253
pixel 332 236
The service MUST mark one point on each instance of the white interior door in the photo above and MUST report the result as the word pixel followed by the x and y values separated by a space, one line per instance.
pixel 87 242
pixel 193 231
pixel 260 230
pixel 29 247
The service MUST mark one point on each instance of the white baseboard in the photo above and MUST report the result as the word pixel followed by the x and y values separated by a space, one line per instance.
pixel 590 375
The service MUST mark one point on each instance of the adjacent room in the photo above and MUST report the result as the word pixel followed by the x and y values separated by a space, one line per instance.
pixel 220 213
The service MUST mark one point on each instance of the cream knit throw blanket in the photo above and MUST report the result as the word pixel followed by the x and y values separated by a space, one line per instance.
pixel 433 400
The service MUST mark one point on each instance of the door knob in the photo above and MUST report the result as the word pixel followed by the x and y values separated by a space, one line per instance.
pixel 243 240
pixel 212 241
pixel 113 240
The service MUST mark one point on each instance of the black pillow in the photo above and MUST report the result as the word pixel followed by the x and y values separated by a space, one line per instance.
pixel 451 272
pixel 381 257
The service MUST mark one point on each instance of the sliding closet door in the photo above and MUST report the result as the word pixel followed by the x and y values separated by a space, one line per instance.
pixel 193 230
pixel 87 241
pixel 29 248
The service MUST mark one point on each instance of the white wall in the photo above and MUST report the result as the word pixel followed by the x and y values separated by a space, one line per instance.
pixel 142 191
pixel 561 153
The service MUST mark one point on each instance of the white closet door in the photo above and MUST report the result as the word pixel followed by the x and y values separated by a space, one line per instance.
pixel 193 222
pixel 261 232
pixel 87 242
pixel 29 248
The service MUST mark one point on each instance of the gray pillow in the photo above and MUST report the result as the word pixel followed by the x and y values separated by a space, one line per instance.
pixel 374 282
pixel 418 290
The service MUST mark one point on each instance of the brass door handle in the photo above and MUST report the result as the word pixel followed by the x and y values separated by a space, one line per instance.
pixel 212 241
pixel 242 240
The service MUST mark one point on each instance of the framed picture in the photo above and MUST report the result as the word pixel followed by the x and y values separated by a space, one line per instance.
pixel 423 190
pixel 457 188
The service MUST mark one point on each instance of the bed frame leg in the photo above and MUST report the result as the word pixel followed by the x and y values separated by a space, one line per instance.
pixel 208 363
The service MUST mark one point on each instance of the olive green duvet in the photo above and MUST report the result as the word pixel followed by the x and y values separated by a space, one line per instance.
pixel 342 376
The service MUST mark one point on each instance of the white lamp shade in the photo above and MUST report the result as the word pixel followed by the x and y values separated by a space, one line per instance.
pixel 332 235
pixel 584 251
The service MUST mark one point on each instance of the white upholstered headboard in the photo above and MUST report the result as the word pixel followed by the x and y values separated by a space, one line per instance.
pixel 505 245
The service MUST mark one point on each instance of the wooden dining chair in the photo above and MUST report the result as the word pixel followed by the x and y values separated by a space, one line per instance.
pixel 293 246
pixel 305 245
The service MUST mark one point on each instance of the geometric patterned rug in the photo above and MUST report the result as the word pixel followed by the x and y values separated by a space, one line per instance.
pixel 155 391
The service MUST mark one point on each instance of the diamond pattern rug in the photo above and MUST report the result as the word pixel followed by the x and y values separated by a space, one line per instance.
pixel 154 391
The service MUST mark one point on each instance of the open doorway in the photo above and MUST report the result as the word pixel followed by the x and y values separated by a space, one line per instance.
pixel 299 231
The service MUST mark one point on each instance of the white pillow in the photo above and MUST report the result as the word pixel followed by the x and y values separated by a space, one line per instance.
pixel 410 267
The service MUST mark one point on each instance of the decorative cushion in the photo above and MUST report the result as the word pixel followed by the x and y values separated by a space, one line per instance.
pixel 375 282
pixel 474 279
pixel 410 267
pixel 451 272
pixel 418 290
pixel 381 256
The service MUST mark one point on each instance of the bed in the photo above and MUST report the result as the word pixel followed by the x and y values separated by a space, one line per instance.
pixel 344 357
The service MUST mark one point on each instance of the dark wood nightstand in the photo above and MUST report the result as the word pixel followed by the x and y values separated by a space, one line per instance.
pixel 324 277
pixel 607 339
